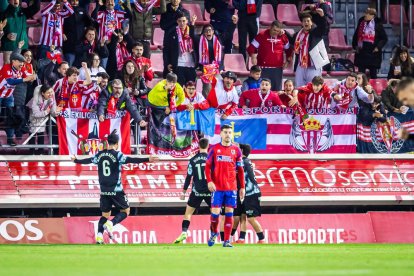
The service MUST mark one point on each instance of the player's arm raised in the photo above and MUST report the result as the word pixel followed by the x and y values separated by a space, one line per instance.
pixel 137 160
pixel 82 161
pixel 209 164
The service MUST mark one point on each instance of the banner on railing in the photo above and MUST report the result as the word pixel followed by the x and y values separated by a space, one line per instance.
pixel 278 130
pixel 82 133
pixel 381 137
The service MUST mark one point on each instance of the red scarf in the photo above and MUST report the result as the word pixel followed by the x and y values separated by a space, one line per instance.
pixel 251 7
pixel 149 6
pixel 346 95
pixel 204 51
pixel 185 40
pixel 171 98
pixel 112 103
pixel 93 45
pixel 302 48
pixel 28 67
pixel 122 55
pixel 366 32
pixel 64 93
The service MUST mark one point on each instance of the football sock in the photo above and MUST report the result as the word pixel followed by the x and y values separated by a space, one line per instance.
pixel 233 231
pixel 228 225
pixel 260 236
pixel 185 225
pixel 214 222
pixel 242 235
pixel 119 217
pixel 101 223
pixel 222 235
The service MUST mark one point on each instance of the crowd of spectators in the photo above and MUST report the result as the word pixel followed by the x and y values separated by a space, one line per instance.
pixel 101 61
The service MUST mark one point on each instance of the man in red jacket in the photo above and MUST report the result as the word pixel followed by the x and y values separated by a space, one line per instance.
pixel 266 50
pixel 315 94
pixel 262 97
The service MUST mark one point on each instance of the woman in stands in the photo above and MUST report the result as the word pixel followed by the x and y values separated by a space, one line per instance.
pixel 91 45
pixel 402 64
pixel 135 84
pixel 93 67
pixel 368 41
pixel 363 82
pixel 118 53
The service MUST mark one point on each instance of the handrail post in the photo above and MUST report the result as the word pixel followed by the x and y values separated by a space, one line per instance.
pixel 50 136
pixel 346 18
pixel 402 22
pixel 410 6
pixel 333 11
pixel 387 11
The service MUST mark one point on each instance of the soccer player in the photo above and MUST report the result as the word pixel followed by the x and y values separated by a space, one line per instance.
pixel 224 160
pixel 199 191
pixel 251 205
pixel 109 162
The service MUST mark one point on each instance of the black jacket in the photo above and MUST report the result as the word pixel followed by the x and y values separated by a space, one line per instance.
pixel 315 36
pixel 74 28
pixel 365 57
pixel 222 14
pixel 82 51
pixel 124 103
pixel 390 100
pixel 171 49
pixel 168 19
pixel 241 6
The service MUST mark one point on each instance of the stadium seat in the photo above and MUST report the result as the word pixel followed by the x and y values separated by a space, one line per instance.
pixel 331 82
pixel 288 14
pixel 394 12
pixel 235 63
pixel 378 84
pixel 154 81
pixel 351 57
pixel 206 16
pixel 235 40
pixel 199 86
pixel 1 59
pixel 34 34
pixel 268 15
pixel 37 18
pixel 157 20
pixel 337 40
pixel 158 38
pixel 410 36
pixel 157 63
pixel 195 9
pixel 291 32
pixel 289 71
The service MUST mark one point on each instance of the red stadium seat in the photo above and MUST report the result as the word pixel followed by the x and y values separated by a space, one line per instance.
pixel 291 32
pixel 378 84
pixel 34 34
pixel 268 15
pixel 235 63
pixel 337 40
pixel 331 82
pixel 351 57
pixel 157 63
pixel 395 11
pixel 154 81
pixel 199 86
pixel 37 18
pixel 288 14
pixel 195 9
pixel 410 36
pixel 288 72
pixel 158 38
pixel 157 20
pixel 1 59
pixel 206 16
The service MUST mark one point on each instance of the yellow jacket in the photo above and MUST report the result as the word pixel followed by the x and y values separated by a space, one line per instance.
pixel 158 96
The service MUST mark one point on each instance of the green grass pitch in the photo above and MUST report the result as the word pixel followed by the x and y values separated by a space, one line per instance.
pixel 344 259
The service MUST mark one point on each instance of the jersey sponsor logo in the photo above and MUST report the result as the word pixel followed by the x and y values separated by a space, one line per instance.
pixel 224 158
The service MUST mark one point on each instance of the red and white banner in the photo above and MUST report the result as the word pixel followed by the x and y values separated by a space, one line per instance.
pixel 325 131
pixel 372 227
pixel 82 133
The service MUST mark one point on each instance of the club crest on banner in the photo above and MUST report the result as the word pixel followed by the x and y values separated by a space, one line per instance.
pixel 92 144
pixel 311 136
pixel 384 137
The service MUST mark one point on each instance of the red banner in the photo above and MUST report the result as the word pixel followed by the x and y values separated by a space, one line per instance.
pixel 390 227
pixel 332 181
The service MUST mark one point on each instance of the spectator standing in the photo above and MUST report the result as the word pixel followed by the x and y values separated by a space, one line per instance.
pixel 144 64
pixel 169 17
pixel 109 19
pixel 253 80
pixel 93 68
pixel 89 45
pixel 118 53
pixel 390 99
pixel 223 94
pixel 261 97
pixel 267 50
pixel 368 41
pixel 248 21
pixel 402 64
pixel 16 27
pixel 315 94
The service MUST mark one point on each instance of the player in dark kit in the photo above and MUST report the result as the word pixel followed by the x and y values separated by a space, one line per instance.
pixel 250 207
pixel 224 164
pixel 199 191
pixel 109 164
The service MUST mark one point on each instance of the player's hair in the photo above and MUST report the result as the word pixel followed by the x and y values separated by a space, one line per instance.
pixel 353 75
pixel 245 149
pixel 72 70
pixel 203 143
pixel 266 79
pixel 255 69
pixel 404 83
pixel 225 127
pixel 171 77
pixel 113 138
pixel 318 80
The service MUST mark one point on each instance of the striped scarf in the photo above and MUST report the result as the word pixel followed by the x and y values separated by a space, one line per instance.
pixel 366 32
pixel 302 48
pixel 185 40
pixel 148 7
pixel 204 51
pixel 122 55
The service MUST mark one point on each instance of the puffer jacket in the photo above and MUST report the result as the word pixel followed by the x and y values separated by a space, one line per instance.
pixel 141 24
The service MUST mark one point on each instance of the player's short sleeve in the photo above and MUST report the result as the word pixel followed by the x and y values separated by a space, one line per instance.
pixel 121 158
pixel 95 159
pixel 239 158
pixel 190 168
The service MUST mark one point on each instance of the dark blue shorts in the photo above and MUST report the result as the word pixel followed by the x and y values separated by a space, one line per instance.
pixel 224 198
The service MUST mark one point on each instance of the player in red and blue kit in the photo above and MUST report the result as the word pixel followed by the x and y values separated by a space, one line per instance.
pixel 224 161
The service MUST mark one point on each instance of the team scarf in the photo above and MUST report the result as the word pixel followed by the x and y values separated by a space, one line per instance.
pixel 112 105
pixel 64 93
pixel 171 99
pixel 92 48
pixel 251 7
pixel 28 68
pixel 346 94
pixel 145 9
pixel 366 32
pixel 302 48
pixel 185 40
pixel 122 55
pixel 263 104
pixel 204 51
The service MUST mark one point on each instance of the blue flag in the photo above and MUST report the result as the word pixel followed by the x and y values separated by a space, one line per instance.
pixel 249 131
pixel 204 121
